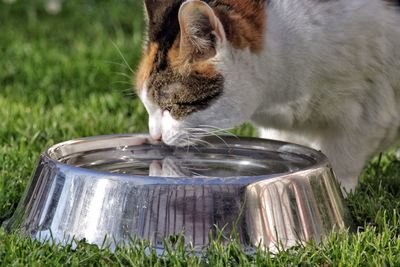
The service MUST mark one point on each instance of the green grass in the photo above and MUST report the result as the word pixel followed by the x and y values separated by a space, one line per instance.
pixel 63 77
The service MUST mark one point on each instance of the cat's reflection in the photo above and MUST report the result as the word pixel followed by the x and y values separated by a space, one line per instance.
pixel 172 166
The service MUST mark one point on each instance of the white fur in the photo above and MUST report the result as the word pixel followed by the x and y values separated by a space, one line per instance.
pixel 155 115
pixel 328 77
pixel 332 79
pixel 161 123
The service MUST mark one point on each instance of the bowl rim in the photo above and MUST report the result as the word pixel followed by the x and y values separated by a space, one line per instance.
pixel 52 155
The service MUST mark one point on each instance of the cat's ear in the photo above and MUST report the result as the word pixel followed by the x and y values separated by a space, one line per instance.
pixel 150 7
pixel 201 31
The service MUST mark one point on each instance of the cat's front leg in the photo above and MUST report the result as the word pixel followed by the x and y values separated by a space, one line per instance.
pixel 348 152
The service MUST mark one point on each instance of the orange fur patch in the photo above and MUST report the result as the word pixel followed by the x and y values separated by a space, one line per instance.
pixel 204 69
pixel 174 55
pixel 185 68
pixel 146 65
pixel 244 23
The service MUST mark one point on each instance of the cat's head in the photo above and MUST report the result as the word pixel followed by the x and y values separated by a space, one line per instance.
pixel 193 72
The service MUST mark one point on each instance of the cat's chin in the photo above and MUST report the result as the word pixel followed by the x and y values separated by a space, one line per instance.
pixel 179 142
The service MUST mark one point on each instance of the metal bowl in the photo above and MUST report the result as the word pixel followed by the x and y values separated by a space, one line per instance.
pixel 111 189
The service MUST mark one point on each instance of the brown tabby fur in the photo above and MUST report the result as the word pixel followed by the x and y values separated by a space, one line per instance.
pixel 184 85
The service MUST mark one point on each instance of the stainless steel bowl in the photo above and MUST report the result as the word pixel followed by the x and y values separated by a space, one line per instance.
pixel 111 189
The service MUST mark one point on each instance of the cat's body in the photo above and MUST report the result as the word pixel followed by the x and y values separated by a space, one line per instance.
pixel 336 78
pixel 320 73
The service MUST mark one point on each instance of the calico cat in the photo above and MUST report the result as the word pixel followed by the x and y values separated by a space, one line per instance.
pixel 322 73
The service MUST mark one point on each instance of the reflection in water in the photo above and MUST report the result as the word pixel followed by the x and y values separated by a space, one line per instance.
pixel 189 162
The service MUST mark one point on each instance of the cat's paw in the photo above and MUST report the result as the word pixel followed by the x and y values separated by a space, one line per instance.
pixel 348 185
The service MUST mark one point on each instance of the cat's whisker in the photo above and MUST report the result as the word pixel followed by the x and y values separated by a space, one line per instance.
pixel 116 63
pixel 194 138
pixel 210 133
pixel 123 75
pixel 130 94
pixel 129 89
pixel 183 135
pixel 199 132
pixel 204 132
pixel 213 127
pixel 126 82
pixel 193 142
pixel 126 91
pixel 220 138
pixel 120 82
pixel 200 141
pixel 222 130
pixel 122 56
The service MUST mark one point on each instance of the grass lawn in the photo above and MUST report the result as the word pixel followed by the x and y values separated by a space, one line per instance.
pixel 63 77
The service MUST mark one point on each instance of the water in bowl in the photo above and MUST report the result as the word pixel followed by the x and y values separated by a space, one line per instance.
pixel 162 160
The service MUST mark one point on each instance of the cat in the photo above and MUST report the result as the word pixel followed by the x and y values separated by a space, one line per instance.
pixel 321 73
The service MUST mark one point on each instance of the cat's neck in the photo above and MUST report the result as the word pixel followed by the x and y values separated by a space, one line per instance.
pixel 279 72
